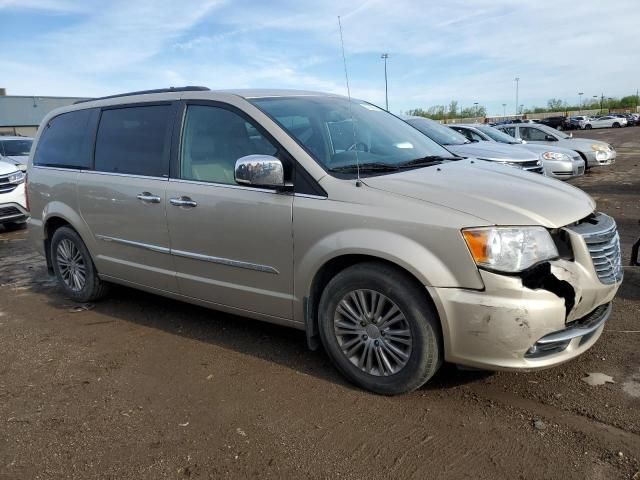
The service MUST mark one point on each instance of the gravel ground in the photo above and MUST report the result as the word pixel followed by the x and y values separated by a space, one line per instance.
pixel 142 387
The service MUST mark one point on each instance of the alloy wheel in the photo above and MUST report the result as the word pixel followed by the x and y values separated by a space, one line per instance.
pixel 372 332
pixel 71 265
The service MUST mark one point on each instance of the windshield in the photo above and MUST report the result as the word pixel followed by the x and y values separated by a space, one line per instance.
pixel 496 134
pixel 438 132
pixel 340 135
pixel 15 148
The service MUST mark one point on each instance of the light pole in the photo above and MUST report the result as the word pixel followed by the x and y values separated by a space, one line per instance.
pixel 580 97
pixel 384 56
pixel 475 108
pixel 595 98
pixel 521 109
pixel 504 110
pixel 517 80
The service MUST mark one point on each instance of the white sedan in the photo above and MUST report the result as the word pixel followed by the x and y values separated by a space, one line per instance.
pixel 607 121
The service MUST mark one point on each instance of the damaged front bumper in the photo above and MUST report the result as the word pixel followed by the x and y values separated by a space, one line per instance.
pixel 539 319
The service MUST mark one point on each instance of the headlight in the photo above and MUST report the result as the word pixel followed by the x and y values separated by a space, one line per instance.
pixel 16 177
pixel 509 249
pixel 597 147
pixel 556 156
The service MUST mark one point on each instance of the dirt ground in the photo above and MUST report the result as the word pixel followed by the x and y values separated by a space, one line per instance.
pixel 142 387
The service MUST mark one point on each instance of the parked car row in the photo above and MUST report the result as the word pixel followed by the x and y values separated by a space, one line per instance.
pixel 532 147
pixel 558 162
pixel 613 120
pixel 409 250
pixel 582 122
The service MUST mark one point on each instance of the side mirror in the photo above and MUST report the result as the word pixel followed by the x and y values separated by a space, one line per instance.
pixel 550 138
pixel 260 171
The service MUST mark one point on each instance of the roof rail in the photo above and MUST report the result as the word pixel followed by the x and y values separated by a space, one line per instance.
pixel 145 92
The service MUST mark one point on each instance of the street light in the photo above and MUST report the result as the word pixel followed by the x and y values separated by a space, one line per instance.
pixel 504 110
pixel 580 97
pixel 384 56
pixel 475 108
pixel 517 80
pixel 521 109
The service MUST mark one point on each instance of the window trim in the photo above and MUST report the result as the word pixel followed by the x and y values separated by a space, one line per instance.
pixel 176 153
pixel 168 141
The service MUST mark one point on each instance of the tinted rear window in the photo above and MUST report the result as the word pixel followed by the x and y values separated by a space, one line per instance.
pixel 65 141
pixel 134 140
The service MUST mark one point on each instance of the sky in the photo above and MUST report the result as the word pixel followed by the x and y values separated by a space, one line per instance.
pixel 464 50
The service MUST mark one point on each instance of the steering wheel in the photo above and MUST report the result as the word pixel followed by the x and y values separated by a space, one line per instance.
pixel 365 147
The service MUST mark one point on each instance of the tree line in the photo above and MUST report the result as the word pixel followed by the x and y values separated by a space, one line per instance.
pixel 444 112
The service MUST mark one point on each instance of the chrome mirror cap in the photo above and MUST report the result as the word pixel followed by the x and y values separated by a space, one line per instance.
pixel 259 170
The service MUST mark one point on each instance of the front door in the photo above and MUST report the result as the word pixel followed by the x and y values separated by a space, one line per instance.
pixel 123 200
pixel 232 245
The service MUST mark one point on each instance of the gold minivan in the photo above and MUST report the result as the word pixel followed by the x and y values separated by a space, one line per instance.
pixel 326 214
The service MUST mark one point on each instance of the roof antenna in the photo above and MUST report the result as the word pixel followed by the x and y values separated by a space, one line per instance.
pixel 353 124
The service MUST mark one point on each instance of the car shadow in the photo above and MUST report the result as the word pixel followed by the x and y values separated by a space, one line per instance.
pixel 273 343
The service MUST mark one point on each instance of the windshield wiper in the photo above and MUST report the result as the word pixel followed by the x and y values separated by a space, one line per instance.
pixel 426 161
pixel 365 167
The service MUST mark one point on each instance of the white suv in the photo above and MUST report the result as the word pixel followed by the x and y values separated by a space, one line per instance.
pixel 13 204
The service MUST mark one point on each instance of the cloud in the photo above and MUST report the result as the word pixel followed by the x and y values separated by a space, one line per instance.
pixel 467 50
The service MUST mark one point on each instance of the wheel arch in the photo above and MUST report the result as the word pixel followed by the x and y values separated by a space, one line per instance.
pixel 329 270
pixel 56 215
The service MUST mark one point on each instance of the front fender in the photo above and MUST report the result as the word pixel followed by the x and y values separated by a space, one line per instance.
pixel 400 250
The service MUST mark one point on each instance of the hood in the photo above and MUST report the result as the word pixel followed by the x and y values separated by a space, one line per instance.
pixel 16 159
pixel 498 194
pixel 540 149
pixel 581 143
pixel 7 167
pixel 492 151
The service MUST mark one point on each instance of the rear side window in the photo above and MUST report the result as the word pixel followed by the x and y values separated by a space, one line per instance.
pixel 135 140
pixel 65 141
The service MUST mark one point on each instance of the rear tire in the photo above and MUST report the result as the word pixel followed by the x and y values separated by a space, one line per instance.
pixel 379 329
pixel 74 268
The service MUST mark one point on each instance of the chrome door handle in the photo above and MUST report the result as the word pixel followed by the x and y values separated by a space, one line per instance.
pixel 183 202
pixel 148 197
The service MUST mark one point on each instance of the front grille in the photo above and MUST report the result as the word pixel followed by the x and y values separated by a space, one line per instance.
pixel 7 187
pixel 603 242
pixel 9 212
pixel 532 166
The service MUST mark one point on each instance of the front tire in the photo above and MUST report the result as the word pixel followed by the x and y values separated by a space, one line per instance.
pixel 379 329
pixel 616 125
pixel 588 127
pixel 74 268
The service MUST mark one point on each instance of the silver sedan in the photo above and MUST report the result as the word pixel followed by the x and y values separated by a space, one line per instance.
pixel 594 152
pixel 558 162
